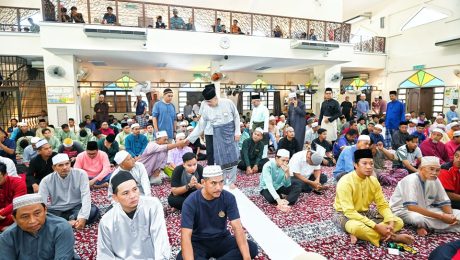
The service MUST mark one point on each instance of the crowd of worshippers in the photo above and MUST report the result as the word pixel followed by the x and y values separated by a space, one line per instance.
pixel 46 175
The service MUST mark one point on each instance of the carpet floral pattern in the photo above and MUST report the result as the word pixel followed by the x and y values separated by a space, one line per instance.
pixel 308 223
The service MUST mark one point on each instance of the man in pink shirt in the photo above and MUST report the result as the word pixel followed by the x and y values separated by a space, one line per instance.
pixel 96 163
pixel 434 147
pixel 452 145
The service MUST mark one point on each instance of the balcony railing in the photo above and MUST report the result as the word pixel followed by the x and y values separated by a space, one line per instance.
pixel 144 14
pixel 14 19
pixel 363 43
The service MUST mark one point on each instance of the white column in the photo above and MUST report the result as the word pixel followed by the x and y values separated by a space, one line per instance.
pixel 60 110
pixel 215 67
pixel 324 73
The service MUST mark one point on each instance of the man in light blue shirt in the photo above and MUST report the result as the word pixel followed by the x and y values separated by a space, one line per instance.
pixel 164 114
pixel 362 106
pixel 451 113
pixel 347 157
pixel 176 23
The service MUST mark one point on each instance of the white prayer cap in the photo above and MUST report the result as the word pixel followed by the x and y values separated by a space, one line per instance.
pixel 379 126
pixel 430 160
pixel 180 135
pixel 129 121
pixel 60 157
pixel 183 123
pixel 272 118
pixel 290 129
pixel 212 171
pixel 26 200
pixel 315 124
pixel 441 126
pixel 455 119
pixel 135 125
pixel 41 143
pixel 439 117
pixel 283 116
pixel 384 113
pixel 364 138
pixel 408 114
pixel 22 124
pixel 34 139
pixel 292 95
pixel 414 121
pixel 190 127
pixel 437 130
pixel 452 105
pixel 453 124
pixel 120 156
pixel 363 95
pixel 318 155
pixel 258 129
pixel 161 134
pixel 180 114
pixel 241 124
pixel 282 153
pixel 456 133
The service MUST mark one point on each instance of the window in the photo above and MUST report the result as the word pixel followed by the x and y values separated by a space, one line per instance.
pixel 307 100
pixel 438 100
pixel 267 98
pixel 424 16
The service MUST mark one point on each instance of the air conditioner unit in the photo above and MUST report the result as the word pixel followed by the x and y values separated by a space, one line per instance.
pixel 111 32
pixel 313 45
pixel 448 42
pixel 37 64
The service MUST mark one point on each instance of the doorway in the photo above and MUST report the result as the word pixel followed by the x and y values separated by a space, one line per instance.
pixel 420 100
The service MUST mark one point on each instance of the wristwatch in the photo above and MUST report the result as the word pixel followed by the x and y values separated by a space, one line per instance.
pixel 187 187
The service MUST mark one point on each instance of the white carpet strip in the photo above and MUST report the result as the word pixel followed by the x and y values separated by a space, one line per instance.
pixel 276 244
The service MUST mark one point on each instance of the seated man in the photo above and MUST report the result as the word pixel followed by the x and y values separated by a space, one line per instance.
pixel 289 142
pixel 376 134
pixel 449 177
pixel 434 147
pixel 30 151
pixel 355 194
pixel 135 227
pixel 328 159
pixel 39 166
pixel 51 139
pixel 150 134
pixel 175 155
pixel 185 179
pixel 347 157
pixel 344 141
pixel 204 222
pixel 251 153
pixel 312 133
pixel 305 166
pixel 96 164
pixel 275 180
pixel 408 156
pixel 7 146
pixel 36 234
pixel 10 166
pixel 385 176
pixel 127 163
pixel 420 200
pixel 109 146
pixel 135 143
pixel 446 251
pixel 420 133
pixel 71 148
pixel 155 156
pixel 452 145
pixel 67 191
pixel 66 133
pixel 42 125
pixel 244 135
pixel 10 188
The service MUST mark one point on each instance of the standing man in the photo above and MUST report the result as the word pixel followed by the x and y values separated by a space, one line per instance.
pixel 451 113
pixel 36 234
pixel 219 119
pixel 346 108
pixel 102 110
pixel 395 113
pixel 164 114
pixel 260 118
pixel 382 106
pixel 330 111
pixel 296 118
pixel 204 222
pixel 135 227
pixel 362 106
pixel 141 111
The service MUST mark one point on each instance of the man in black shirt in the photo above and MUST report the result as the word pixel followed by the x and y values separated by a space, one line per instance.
pixel 289 143
pixel 346 108
pixel 330 112
pixel 369 129
pixel 39 166
pixel 399 137
pixel 252 153
pixel 322 141
pixel 23 131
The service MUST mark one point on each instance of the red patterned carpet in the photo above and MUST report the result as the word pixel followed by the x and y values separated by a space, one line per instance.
pixel 308 223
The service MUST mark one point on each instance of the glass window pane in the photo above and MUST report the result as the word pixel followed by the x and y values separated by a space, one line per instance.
pixel 439 90
pixel 438 102
pixel 402 91
pixel 439 96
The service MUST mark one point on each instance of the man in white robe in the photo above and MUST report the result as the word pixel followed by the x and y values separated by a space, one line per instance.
pixel 420 200
pixel 135 227
pixel 260 118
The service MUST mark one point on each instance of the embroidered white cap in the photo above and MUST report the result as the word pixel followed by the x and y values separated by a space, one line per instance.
pixel 441 126
pixel 364 138
pixel 120 156
pixel 180 136
pixel 454 118
pixel 60 157
pixel 363 95
pixel 272 118
pixel 438 130
pixel 212 171
pixel 34 140
pixel 41 143
pixel 282 153
pixel 430 160
pixel 379 126
pixel 292 95
pixel 258 129
pixel 414 121
pixel 160 134
pixel 22 124
pixel 456 133
pixel 408 114
pixel 183 123
pixel 190 127
pixel 318 155
pixel 26 200
pixel 135 125
pixel 315 124
pixel 439 117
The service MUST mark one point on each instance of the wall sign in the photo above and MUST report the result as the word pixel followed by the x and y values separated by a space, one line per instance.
pixel 60 95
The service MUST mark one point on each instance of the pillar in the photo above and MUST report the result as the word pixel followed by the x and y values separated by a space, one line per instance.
pixel 324 73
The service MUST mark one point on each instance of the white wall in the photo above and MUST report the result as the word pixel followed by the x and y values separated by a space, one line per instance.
pixel 20 44
pixel 22 3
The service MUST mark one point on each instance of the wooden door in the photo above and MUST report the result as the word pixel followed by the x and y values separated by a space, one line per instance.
pixel 413 99
pixel 426 101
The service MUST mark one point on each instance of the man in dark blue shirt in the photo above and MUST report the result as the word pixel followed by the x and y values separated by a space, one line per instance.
pixel 204 222
pixel 109 17
pixel 141 111
pixel 7 147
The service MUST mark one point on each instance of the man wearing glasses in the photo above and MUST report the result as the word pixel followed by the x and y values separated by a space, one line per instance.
pixel 330 111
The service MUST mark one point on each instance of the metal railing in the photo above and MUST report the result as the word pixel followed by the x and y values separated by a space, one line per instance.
pixel 14 19
pixel 144 14
pixel 363 43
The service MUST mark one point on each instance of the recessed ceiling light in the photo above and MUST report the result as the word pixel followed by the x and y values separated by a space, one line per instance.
pixel 263 68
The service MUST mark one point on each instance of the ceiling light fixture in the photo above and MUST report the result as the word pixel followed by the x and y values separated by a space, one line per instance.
pixel 359 18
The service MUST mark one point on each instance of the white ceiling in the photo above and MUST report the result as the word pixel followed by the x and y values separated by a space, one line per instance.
pixel 352 8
